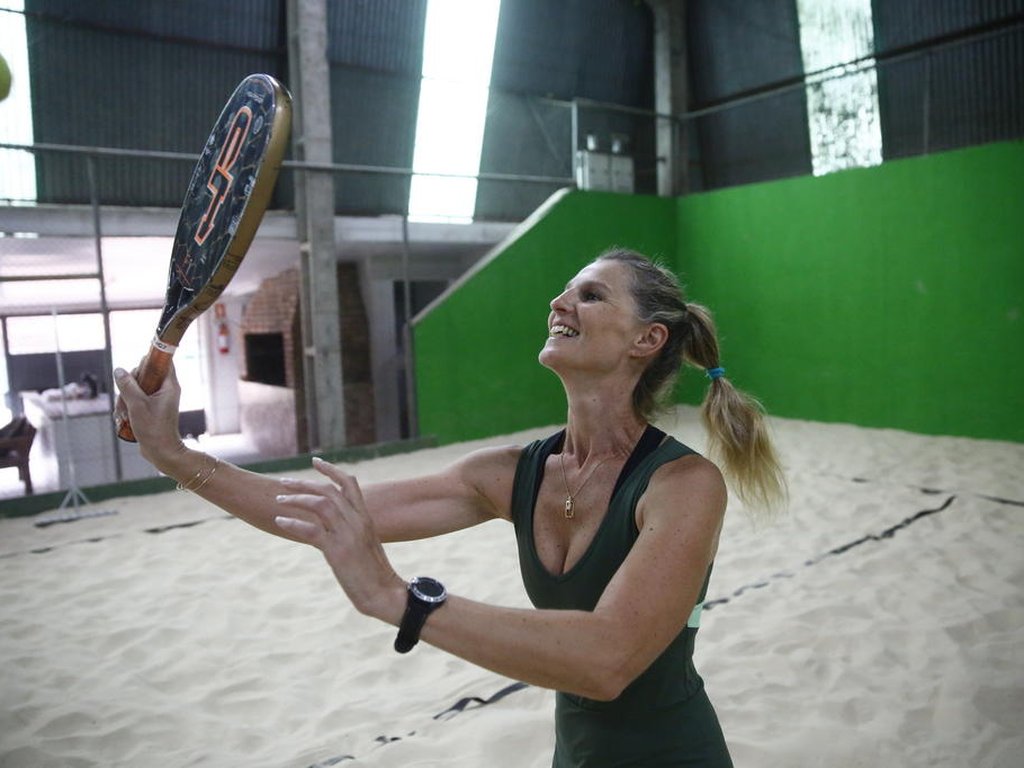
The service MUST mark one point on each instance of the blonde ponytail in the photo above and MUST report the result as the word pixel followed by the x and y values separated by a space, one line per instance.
pixel 738 435
pixel 735 423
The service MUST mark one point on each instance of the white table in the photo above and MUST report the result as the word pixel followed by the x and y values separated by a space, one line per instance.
pixel 81 440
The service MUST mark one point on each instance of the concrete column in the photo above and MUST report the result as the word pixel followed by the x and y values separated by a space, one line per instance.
pixel 671 95
pixel 314 209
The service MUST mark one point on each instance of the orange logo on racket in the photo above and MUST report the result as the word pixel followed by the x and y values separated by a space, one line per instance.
pixel 221 179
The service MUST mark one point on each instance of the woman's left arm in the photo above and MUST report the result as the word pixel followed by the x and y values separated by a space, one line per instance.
pixel 591 653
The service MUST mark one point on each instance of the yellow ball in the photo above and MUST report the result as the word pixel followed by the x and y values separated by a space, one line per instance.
pixel 5 78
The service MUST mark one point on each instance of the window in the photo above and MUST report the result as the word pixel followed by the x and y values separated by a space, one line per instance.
pixel 17 168
pixel 458 50
pixel 842 99
pixel 131 333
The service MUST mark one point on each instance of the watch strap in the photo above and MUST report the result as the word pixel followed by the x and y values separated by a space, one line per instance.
pixel 413 619
pixel 417 609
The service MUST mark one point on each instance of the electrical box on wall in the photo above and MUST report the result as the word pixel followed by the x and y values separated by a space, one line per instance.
pixel 604 172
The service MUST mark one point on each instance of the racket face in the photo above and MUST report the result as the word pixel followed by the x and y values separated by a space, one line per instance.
pixel 224 203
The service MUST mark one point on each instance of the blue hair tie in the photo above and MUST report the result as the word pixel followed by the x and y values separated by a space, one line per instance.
pixel 715 373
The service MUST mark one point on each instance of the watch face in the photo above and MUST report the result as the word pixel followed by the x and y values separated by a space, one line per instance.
pixel 428 589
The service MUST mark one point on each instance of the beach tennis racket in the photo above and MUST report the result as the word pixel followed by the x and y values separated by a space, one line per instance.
pixel 223 207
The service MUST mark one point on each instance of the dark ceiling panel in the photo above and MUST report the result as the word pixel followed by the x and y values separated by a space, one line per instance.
pixel 99 79
pixel 738 47
pixel 962 93
pixel 225 23
pixel 376 55
pixel 550 52
pixel 593 49
pixel 384 35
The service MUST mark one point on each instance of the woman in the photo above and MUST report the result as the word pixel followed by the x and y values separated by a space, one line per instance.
pixel 617 524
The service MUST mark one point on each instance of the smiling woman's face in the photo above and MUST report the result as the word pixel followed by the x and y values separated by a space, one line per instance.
pixel 593 322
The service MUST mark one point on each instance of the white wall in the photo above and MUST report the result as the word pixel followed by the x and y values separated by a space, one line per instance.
pixel 221 370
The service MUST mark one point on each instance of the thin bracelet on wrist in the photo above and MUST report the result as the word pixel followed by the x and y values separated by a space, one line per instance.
pixel 197 481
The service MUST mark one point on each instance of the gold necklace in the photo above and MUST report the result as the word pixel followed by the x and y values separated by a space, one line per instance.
pixel 570 500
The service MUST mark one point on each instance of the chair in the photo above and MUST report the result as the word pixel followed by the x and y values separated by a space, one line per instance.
pixel 15 443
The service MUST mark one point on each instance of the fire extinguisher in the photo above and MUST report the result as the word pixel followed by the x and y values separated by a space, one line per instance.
pixel 223 332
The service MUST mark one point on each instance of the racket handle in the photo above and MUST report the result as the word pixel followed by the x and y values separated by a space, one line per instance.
pixel 151 375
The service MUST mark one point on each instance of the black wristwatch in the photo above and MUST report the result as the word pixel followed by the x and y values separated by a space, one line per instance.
pixel 426 595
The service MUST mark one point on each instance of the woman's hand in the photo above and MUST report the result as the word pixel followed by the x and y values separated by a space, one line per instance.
pixel 154 418
pixel 332 517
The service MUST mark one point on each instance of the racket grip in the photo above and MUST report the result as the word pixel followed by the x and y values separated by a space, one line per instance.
pixel 151 375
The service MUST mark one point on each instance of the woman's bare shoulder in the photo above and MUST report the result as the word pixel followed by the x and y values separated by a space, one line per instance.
pixel 692 483
pixel 490 472
pixel 492 464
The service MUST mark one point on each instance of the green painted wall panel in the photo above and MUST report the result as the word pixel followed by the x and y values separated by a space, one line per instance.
pixel 888 296
pixel 476 349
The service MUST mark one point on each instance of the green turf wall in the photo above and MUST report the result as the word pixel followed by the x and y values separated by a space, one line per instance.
pixel 888 296
pixel 476 348
pixel 885 297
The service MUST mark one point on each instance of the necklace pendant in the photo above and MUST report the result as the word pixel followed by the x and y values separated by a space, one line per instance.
pixel 569 514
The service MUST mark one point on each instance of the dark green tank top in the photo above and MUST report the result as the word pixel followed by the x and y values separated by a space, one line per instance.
pixel 663 718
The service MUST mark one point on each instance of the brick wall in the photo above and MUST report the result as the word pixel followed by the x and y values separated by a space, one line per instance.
pixel 356 368
pixel 275 309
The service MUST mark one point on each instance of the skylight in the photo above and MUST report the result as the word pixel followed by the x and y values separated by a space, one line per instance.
pixel 17 168
pixel 842 111
pixel 458 50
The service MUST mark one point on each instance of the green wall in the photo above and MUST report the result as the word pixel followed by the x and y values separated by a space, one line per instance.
pixel 888 296
pixel 476 349
pixel 885 297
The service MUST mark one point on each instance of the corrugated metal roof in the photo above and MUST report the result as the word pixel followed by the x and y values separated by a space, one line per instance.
pixel 374 119
pixel 153 74
pixel 959 94
pixel 528 136
pixel 600 50
pixel 903 22
pixel 377 34
pixel 738 46
pixel 251 24
pixel 594 49
pixel 106 78
pixel 375 51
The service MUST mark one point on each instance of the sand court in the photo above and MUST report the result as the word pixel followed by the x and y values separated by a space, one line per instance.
pixel 881 622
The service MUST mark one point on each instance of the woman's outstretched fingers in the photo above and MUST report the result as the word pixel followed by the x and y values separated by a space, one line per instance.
pixel 328 470
pixel 303 530
pixel 313 504
pixel 345 482
pixel 332 517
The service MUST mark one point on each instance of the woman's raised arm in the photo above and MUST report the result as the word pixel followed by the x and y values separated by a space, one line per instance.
pixel 474 489
pixel 470 491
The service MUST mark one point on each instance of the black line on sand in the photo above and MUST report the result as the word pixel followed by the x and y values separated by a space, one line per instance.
pixel 888 533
